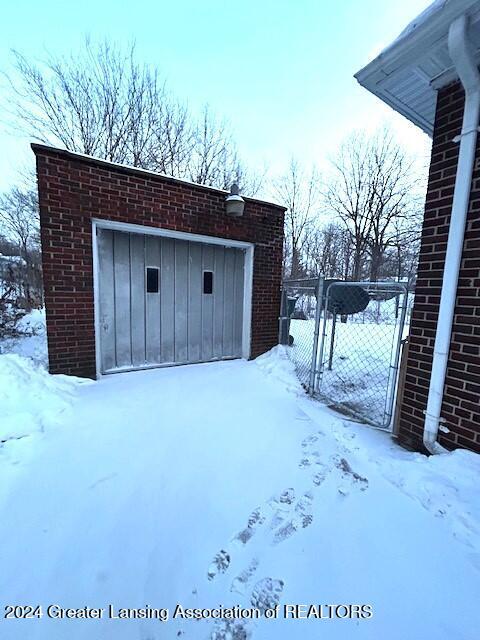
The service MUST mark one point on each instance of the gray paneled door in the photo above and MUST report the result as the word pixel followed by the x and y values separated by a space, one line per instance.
pixel 166 301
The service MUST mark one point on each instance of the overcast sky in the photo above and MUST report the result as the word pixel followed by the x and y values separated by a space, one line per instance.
pixel 281 72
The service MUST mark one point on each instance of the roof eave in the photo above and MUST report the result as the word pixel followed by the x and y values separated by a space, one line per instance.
pixel 404 52
pixel 406 49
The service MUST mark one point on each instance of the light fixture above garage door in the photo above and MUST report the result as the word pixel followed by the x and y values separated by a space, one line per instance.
pixel 234 203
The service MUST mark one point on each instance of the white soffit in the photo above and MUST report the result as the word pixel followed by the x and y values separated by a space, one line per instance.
pixel 409 72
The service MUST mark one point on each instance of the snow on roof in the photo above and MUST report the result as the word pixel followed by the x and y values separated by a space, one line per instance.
pixel 419 21
pixel 45 148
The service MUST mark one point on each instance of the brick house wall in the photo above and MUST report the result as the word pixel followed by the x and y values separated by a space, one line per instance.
pixel 461 402
pixel 74 189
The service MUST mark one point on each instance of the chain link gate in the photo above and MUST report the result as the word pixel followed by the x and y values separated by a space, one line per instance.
pixel 299 321
pixel 344 339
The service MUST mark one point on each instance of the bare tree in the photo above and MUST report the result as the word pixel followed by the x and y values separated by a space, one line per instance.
pixel 328 251
pixel 394 201
pixel 349 195
pixel 299 191
pixel 19 223
pixel 19 218
pixel 405 246
pixel 373 187
pixel 102 102
pixel 98 101
pixel 212 150
pixel 214 160
pixel 173 142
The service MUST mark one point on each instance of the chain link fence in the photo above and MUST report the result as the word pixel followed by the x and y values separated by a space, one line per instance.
pixel 345 340
pixel 298 320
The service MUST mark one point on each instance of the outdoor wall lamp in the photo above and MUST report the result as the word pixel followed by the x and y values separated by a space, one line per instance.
pixel 234 203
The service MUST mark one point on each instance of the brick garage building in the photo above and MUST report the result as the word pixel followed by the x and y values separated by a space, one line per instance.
pixel 419 77
pixel 143 270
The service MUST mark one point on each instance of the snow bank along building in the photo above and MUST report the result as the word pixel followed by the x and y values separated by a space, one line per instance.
pixel 143 270
pixel 430 75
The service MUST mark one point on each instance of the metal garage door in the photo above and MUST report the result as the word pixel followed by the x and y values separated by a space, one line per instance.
pixel 167 301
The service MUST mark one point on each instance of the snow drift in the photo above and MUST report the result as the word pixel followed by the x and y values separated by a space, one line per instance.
pixel 277 364
pixel 31 399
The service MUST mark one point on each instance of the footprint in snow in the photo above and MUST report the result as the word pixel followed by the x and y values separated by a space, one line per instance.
pixel 285 498
pixel 220 564
pixel 285 531
pixel 266 594
pixel 319 478
pixel 281 505
pixel 304 503
pixel 309 440
pixel 240 583
pixel 304 462
pixel 347 472
pixel 321 472
pixel 303 509
pixel 256 519
pixel 302 518
pixel 230 630
pixel 312 458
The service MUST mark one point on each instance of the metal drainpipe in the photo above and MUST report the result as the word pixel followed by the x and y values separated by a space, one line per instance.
pixel 461 54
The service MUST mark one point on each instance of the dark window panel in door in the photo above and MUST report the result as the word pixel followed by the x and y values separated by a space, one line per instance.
pixel 208 282
pixel 152 279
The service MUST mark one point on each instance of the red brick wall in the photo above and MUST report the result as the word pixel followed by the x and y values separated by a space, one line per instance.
pixel 73 190
pixel 461 405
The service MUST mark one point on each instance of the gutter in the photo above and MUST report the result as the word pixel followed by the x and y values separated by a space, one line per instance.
pixel 461 53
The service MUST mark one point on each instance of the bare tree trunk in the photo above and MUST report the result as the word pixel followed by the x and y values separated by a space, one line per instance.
pixel 357 265
pixel 375 264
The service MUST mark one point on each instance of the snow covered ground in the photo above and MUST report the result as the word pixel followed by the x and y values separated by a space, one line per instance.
pixel 33 344
pixel 223 484
pixel 31 399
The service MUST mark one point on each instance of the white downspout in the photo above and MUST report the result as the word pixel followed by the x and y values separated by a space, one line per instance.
pixel 461 54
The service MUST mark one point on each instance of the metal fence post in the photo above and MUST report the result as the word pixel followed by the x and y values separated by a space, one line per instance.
pixel 324 336
pixel 393 377
pixel 332 341
pixel 318 315
pixel 283 320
